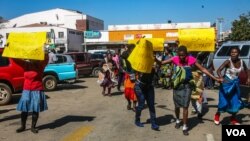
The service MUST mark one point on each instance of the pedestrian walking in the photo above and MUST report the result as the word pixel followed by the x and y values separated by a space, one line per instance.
pixel 182 86
pixel 107 70
pixel 197 94
pixel 144 90
pixel 33 97
pixel 166 70
pixel 120 75
pixel 229 92
pixel 129 82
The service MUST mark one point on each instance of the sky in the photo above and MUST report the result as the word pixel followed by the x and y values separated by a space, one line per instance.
pixel 120 12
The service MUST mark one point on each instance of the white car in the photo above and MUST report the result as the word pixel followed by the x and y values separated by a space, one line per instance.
pixel 101 51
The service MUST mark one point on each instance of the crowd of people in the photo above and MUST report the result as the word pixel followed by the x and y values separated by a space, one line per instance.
pixel 167 72
pixel 179 71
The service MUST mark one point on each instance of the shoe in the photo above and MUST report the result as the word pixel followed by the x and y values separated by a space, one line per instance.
pixel 199 116
pixel 185 132
pixel 234 121
pixel 217 119
pixel 177 125
pixel 139 124
pixel 34 130
pixel 155 127
pixel 21 129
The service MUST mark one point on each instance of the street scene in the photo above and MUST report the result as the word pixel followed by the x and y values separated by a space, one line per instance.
pixel 80 112
pixel 112 70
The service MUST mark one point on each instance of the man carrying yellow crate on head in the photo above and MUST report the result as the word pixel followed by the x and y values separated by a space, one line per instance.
pixel 142 60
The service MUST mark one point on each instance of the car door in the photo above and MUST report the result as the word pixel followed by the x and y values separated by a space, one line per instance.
pixel 244 55
pixel 83 64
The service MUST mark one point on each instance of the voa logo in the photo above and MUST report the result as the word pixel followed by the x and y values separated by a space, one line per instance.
pixel 236 132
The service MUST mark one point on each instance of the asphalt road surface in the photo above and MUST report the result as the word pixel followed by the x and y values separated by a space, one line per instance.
pixel 79 112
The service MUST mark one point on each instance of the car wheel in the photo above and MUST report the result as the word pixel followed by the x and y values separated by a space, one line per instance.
pixel 5 94
pixel 95 71
pixel 49 82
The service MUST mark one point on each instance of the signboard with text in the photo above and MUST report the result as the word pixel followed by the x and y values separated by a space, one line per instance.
pixel 92 34
pixel 25 45
pixel 197 39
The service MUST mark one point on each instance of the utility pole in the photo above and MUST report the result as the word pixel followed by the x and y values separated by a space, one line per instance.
pixel 219 22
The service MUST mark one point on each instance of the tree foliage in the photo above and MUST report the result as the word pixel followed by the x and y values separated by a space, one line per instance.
pixel 241 28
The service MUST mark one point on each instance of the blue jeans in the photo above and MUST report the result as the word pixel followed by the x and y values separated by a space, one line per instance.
pixel 145 93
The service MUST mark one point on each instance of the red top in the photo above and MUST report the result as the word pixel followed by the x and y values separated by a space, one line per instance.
pixel 33 74
pixel 189 60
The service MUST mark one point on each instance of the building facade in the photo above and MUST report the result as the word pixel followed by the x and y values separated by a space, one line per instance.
pixel 167 31
pixel 71 19
pixel 65 39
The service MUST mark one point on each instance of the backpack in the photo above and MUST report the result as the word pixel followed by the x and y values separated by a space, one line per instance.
pixel 181 75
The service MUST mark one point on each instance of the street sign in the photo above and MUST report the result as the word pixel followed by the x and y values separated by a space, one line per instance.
pixel 92 34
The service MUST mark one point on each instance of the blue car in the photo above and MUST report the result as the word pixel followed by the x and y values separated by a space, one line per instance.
pixel 63 70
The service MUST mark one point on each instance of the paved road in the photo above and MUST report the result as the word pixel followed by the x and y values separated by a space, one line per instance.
pixel 79 112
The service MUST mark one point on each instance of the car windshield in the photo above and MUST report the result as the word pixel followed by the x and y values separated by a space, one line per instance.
pixel 245 50
pixel 97 56
pixel 225 50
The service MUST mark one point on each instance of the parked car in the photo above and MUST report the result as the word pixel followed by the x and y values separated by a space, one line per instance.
pixel 11 78
pixel 102 51
pixel 12 75
pixel 82 60
pixel 223 53
pixel 85 65
pixel 97 61
pixel 63 70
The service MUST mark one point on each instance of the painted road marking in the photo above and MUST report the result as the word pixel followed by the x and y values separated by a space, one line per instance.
pixel 79 134
pixel 210 137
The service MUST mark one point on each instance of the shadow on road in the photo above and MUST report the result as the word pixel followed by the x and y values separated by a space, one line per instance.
pixel 164 107
pixel 17 116
pixel 240 118
pixel 165 120
pixel 64 120
pixel 79 81
pixel 116 93
pixel 69 87
pixel 12 117
pixel 6 110
pixel 210 99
